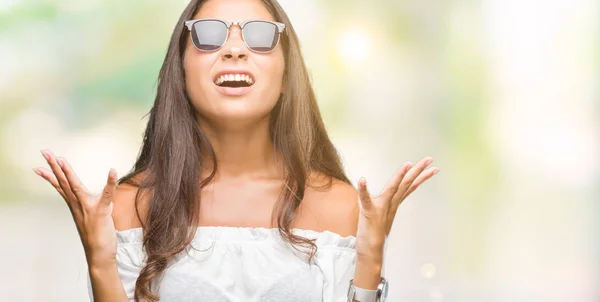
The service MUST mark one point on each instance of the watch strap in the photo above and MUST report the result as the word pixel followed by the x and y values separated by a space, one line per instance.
pixel 360 294
pixel 365 295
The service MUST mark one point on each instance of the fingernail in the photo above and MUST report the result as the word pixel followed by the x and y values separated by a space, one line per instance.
pixel 436 171
pixel 428 161
pixel 37 172
pixel 60 162
pixel 44 154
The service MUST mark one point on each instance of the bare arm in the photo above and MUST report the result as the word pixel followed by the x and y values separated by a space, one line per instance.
pixel 367 272
pixel 377 216
pixel 106 284
pixel 370 219
pixel 92 215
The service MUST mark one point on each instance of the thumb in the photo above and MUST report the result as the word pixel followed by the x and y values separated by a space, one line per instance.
pixel 109 189
pixel 363 193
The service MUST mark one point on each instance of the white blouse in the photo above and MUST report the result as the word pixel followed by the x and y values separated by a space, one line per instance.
pixel 230 264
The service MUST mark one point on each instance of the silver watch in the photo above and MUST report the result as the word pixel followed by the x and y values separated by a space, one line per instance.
pixel 366 295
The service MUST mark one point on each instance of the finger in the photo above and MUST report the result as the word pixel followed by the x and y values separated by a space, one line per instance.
pixel 427 174
pixel 392 187
pixel 410 177
pixel 74 183
pixel 363 193
pixel 60 176
pixel 109 189
pixel 49 176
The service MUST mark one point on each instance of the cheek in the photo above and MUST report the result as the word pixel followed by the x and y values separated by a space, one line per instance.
pixel 274 76
pixel 197 75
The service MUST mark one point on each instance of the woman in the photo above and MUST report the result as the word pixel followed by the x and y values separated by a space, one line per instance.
pixel 278 220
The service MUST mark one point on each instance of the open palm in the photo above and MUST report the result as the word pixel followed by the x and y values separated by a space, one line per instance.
pixel 91 213
pixel 377 212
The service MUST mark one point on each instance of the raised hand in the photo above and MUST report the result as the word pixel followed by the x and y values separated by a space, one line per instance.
pixel 377 212
pixel 91 213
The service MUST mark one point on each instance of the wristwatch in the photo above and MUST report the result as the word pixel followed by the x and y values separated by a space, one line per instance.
pixel 366 295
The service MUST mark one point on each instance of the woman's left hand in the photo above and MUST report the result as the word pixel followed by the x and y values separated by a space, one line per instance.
pixel 377 212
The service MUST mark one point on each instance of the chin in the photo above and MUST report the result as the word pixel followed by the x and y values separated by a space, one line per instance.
pixel 238 111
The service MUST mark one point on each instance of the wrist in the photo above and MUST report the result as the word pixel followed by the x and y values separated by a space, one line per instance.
pixel 101 265
pixel 367 273
pixel 372 254
pixel 99 258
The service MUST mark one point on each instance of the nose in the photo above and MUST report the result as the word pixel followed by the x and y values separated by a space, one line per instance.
pixel 234 47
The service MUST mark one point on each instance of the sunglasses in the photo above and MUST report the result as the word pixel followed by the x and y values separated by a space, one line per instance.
pixel 211 34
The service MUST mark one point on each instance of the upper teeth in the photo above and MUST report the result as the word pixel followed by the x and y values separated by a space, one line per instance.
pixel 234 77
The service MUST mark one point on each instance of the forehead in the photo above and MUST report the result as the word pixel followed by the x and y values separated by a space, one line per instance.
pixel 234 10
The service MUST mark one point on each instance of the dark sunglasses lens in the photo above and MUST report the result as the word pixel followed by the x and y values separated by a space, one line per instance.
pixel 209 35
pixel 261 36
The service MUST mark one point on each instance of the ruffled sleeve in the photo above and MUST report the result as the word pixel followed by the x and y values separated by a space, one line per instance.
pixel 130 260
pixel 336 257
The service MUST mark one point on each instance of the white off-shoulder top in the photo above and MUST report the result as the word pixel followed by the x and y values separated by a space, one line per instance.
pixel 231 264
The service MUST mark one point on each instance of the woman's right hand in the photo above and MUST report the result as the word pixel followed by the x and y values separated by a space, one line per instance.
pixel 92 213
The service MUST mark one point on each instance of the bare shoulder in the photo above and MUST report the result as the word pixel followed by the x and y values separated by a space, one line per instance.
pixel 330 204
pixel 124 212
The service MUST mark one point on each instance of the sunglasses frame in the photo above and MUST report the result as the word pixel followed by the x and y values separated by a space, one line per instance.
pixel 190 25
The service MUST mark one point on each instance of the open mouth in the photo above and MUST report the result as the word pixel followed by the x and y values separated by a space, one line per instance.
pixel 234 80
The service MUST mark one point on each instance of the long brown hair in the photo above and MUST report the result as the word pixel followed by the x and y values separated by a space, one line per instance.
pixel 169 162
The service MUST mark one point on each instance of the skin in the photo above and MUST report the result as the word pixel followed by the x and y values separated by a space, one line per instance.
pixel 249 178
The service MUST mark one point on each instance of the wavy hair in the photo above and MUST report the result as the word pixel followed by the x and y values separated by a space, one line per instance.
pixel 169 162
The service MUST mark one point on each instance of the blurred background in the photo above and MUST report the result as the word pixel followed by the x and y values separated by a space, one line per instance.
pixel 505 94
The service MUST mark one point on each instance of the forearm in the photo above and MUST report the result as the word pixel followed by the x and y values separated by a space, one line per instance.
pixel 106 283
pixel 367 272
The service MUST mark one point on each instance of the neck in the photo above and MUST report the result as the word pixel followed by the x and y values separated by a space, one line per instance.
pixel 246 152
